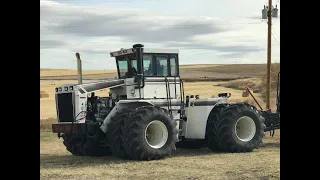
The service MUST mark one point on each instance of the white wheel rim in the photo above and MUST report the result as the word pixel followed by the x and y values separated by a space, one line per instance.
pixel 156 134
pixel 245 128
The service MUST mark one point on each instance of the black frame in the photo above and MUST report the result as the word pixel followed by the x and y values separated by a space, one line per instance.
pixel 63 99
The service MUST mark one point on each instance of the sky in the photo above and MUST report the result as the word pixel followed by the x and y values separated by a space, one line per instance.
pixel 204 31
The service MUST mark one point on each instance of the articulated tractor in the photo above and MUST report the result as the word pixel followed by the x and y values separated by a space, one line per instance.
pixel 147 115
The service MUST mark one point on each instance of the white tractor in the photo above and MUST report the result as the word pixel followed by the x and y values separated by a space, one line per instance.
pixel 146 115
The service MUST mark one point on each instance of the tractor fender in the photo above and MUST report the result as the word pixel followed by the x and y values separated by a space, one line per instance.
pixel 123 104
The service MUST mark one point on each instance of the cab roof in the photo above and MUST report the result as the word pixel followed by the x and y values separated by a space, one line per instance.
pixel 145 50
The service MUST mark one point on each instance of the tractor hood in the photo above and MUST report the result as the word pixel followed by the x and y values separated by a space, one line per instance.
pixel 95 86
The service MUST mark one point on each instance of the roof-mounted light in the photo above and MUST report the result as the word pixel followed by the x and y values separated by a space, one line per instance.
pixel 122 52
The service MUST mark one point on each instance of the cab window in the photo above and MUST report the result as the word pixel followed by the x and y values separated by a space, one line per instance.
pixel 173 65
pixel 123 67
pixel 162 65
pixel 147 65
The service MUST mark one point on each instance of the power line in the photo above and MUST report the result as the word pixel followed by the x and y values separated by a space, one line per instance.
pixel 275 38
pixel 273 30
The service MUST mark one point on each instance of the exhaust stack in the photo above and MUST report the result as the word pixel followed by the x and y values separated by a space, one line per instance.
pixel 79 68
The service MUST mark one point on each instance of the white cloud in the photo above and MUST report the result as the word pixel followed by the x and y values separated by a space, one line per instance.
pixel 205 31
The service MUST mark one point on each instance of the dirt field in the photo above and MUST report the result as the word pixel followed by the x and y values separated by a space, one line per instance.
pixel 57 163
pixel 263 163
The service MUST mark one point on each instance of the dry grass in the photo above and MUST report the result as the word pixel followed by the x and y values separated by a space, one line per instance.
pixel 263 163
pixel 254 84
pixel 45 124
pixel 199 66
pixel 258 69
pixel 192 73
pixel 274 83
pixel 257 85
pixel 44 94
pixel 67 72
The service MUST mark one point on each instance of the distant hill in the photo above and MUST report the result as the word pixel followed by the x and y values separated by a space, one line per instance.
pixel 191 72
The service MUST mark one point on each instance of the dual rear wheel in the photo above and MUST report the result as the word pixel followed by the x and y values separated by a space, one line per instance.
pixel 235 127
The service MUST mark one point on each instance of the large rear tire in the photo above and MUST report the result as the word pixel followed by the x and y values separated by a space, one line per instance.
pixel 213 118
pixel 236 127
pixel 150 134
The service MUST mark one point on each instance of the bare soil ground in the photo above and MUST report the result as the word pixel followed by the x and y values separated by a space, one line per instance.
pixel 262 163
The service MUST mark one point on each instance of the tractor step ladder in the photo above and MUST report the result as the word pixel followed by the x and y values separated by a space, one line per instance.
pixel 182 105
pixel 168 94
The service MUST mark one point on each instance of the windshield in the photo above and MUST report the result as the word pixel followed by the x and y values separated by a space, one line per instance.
pixel 127 66
pixel 123 67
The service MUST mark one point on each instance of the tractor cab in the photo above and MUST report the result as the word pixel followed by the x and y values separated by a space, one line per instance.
pixel 152 73
pixel 152 62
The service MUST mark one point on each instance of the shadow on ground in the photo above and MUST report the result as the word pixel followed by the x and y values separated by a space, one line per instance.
pixel 270 145
pixel 205 151
pixel 48 161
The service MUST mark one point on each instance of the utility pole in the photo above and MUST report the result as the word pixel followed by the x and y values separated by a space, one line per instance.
pixel 269 56
pixel 268 13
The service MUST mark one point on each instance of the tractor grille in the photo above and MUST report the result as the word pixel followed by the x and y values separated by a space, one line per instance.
pixel 65 107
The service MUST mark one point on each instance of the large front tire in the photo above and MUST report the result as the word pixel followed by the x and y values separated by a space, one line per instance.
pixel 115 133
pixel 235 128
pixel 83 145
pixel 150 134
pixel 72 144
